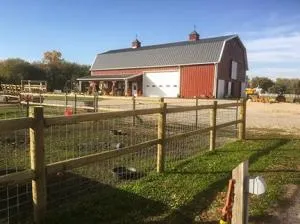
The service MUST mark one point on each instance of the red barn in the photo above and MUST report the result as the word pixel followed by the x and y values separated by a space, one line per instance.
pixel 209 67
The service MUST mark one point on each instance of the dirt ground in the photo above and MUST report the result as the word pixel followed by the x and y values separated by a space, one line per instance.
pixel 280 117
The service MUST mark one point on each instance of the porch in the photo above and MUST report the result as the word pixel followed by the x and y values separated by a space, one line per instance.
pixel 112 85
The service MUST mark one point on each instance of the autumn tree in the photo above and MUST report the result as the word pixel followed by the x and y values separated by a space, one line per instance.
pixel 52 57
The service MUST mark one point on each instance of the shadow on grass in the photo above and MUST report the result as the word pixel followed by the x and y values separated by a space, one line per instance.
pixel 254 157
pixel 97 203
pixel 204 199
pixel 75 199
pixel 201 201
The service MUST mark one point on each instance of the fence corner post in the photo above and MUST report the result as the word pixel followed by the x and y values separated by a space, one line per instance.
pixel 161 130
pixel 133 109
pixel 242 117
pixel 213 123
pixel 241 186
pixel 37 159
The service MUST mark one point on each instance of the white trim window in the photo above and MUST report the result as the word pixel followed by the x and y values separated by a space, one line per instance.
pixel 234 66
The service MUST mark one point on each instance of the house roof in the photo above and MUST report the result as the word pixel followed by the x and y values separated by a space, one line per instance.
pixel 203 51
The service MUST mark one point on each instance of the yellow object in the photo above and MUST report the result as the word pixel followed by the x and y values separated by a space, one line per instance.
pixel 223 222
pixel 250 91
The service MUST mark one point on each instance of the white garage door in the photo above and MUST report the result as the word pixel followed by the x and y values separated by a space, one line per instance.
pixel 161 84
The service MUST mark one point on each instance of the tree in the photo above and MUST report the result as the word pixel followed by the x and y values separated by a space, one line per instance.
pixel 14 70
pixel 52 57
pixel 53 69
pixel 263 82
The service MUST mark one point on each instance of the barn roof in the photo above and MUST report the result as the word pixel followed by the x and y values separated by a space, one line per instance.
pixel 203 51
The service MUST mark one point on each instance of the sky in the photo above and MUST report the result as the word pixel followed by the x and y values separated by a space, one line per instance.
pixel 270 30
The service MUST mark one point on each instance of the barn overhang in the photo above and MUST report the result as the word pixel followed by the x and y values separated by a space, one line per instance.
pixel 115 77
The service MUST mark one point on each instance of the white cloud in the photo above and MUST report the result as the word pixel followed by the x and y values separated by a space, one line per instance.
pixel 274 51
pixel 275 72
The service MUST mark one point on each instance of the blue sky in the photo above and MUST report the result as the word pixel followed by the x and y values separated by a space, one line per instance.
pixel 80 29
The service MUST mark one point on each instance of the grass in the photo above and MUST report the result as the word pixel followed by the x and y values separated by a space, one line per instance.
pixel 11 111
pixel 190 188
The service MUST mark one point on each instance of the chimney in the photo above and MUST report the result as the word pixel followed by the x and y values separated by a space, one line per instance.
pixel 194 36
pixel 136 43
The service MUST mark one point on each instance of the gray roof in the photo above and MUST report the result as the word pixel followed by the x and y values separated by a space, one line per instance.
pixel 203 51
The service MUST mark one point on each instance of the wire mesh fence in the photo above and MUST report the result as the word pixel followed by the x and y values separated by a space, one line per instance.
pixel 15 199
pixel 74 140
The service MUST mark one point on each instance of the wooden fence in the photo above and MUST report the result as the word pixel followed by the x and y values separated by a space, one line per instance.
pixel 36 122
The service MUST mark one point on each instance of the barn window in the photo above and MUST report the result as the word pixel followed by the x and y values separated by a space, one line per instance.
pixel 148 86
pixel 160 85
pixel 167 85
pixel 153 85
pixel 234 66
pixel 175 86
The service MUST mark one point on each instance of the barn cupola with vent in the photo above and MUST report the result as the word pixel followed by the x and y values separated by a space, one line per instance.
pixel 194 36
pixel 136 43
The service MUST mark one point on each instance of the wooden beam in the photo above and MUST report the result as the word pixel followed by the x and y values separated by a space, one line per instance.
pixel 19 177
pixel 61 120
pixel 241 186
pixel 15 124
pixel 190 108
pixel 228 124
pixel 204 130
pixel 226 105
pixel 187 134
pixel 85 160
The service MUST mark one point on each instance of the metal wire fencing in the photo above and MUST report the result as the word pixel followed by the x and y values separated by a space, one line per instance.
pixel 122 139
pixel 15 199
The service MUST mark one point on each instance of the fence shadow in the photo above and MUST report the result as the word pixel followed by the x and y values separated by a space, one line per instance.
pixel 204 199
pixel 99 203
pixel 84 201
pixel 201 201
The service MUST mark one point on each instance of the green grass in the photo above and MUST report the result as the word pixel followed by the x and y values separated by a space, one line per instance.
pixel 190 188
pixel 11 111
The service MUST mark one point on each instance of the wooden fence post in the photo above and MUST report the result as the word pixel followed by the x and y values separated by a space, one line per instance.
pixel 37 158
pixel 161 130
pixel 197 104
pixel 133 109
pixel 75 103
pixel 241 186
pixel 27 108
pixel 41 98
pixel 96 102
pixel 242 116
pixel 213 123
pixel 66 100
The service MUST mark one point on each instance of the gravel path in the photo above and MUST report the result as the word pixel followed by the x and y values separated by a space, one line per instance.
pixel 284 116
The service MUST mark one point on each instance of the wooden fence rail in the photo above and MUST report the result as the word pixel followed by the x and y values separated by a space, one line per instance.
pixel 37 122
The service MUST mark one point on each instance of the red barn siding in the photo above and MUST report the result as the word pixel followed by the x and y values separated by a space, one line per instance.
pixel 132 71
pixel 197 80
pixel 233 51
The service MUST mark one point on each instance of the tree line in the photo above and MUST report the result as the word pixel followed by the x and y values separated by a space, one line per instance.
pixel 52 68
pixel 288 86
